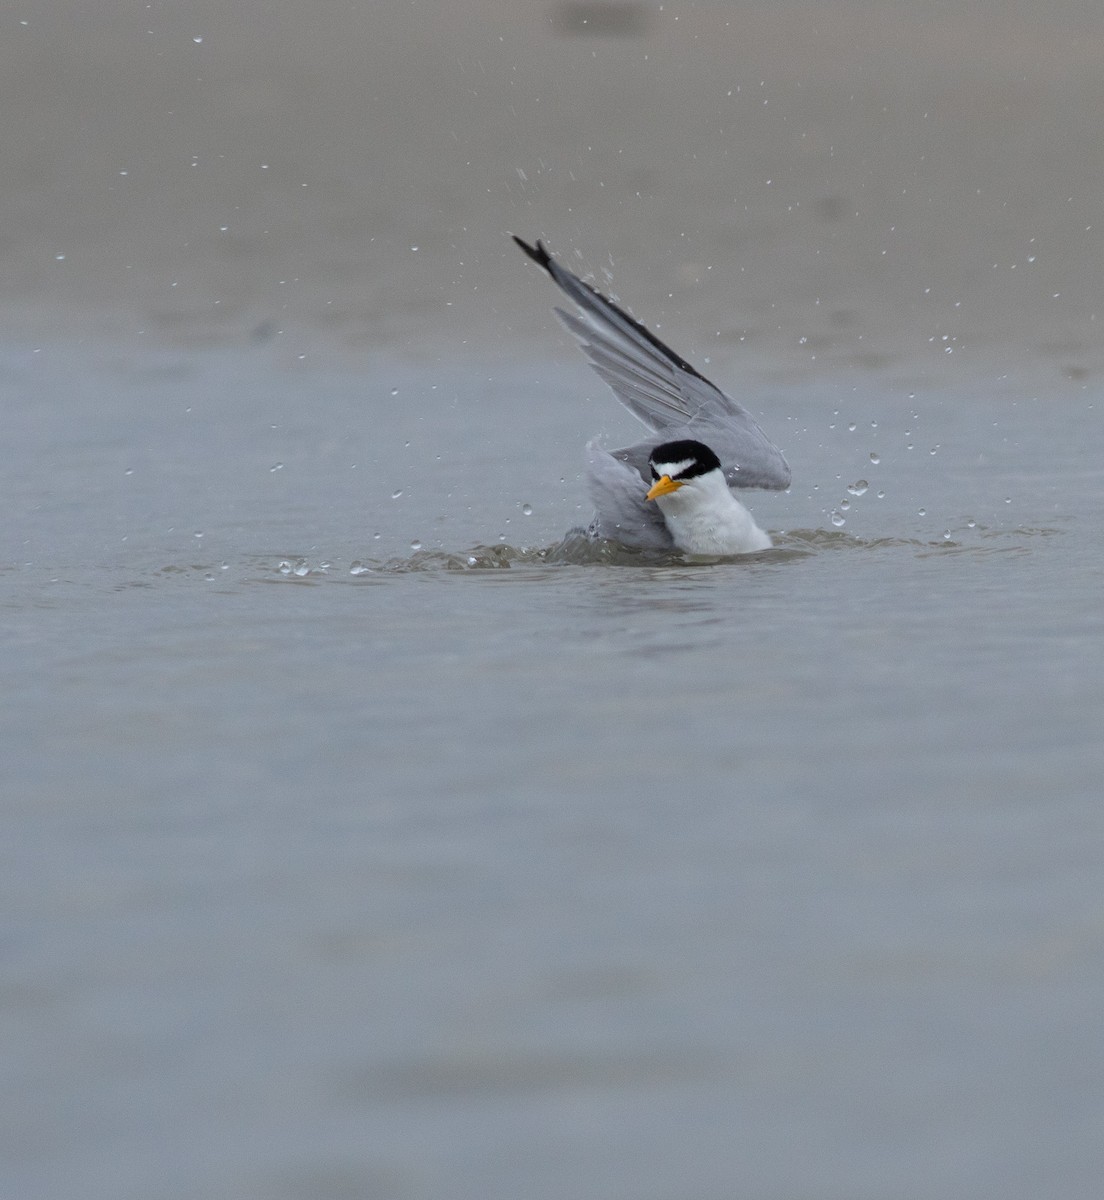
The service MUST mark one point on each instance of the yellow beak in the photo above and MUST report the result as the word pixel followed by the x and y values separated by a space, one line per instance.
pixel 663 487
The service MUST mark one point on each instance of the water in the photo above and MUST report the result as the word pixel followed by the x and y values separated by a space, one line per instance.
pixel 482 870
pixel 505 866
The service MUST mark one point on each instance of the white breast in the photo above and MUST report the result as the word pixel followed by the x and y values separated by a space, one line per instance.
pixel 705 518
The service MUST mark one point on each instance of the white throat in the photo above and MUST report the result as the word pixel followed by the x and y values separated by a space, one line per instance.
pixel 704 517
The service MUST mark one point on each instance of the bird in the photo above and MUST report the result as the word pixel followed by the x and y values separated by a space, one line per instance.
pixel 672 491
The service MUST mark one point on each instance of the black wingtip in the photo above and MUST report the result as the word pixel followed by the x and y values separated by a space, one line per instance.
pixel 537 253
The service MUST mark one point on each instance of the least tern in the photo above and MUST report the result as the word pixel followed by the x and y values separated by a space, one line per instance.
pixel 671 491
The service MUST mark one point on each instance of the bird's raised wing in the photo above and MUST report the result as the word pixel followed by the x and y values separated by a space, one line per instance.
pixel 662 389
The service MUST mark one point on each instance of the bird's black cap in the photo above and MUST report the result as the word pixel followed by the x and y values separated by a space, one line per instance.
pixel 701 460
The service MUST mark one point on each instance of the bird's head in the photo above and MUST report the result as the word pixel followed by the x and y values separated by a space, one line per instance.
pixel 675 465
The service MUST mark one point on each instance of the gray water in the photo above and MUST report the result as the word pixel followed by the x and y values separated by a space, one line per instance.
pixel 364 838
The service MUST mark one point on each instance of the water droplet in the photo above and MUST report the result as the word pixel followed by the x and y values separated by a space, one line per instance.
pixel 375 537
pixel 934 450
pixel 875 457
pixel 923 512
pixel 198 41
pixel 209 577
pixel 302 568
pixel 414 248
pixel 59 258
pixel 415 544
pixel 852 427
pixel 285 568
pixel 971 524
pixel 837 518
pixel 224 566
pixel 881 495
pixel 844 505
pixel 358 568
pixel 394 391
pixel 396 493
pixel 527 510
pixel 129 471
pixel 198 533
pixel 276 467
pixel 859 487
pixel 946 535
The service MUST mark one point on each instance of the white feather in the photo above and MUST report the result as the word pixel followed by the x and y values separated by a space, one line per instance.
pixel 705 518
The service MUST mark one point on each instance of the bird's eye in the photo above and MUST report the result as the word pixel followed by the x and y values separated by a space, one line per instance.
pixel 655 473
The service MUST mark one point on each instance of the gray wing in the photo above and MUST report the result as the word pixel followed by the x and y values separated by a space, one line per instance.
pixel 621 512
pixel 662 389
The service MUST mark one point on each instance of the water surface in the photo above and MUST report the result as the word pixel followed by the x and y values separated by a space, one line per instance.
pixel 364 839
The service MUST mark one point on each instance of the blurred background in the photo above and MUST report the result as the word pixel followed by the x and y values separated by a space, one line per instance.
pixel 863 183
